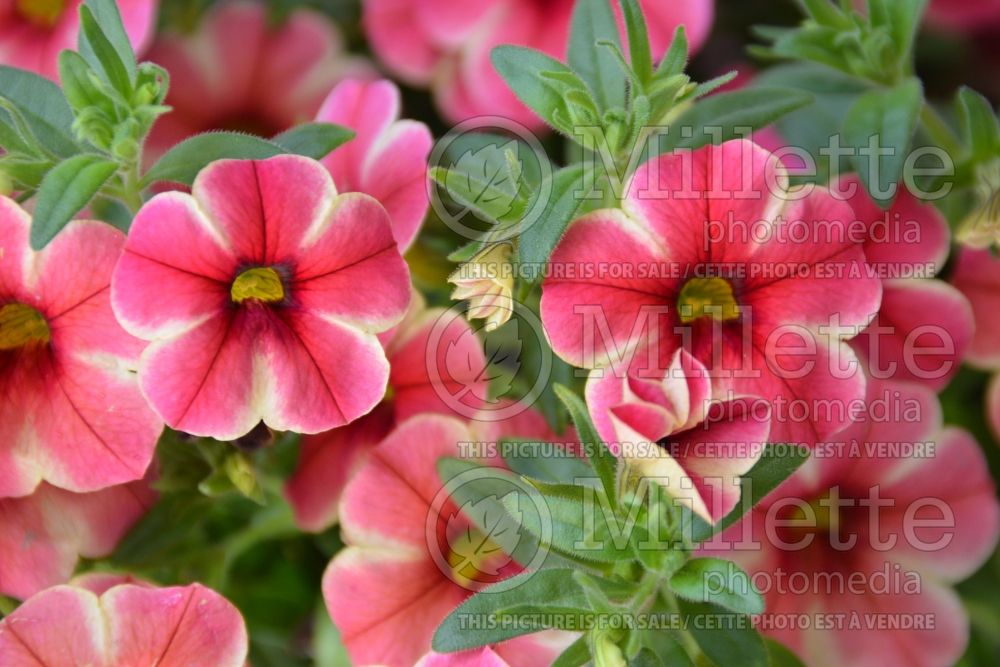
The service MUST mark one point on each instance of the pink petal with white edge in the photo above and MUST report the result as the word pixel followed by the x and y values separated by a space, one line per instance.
pixel 961 493
pixel 389 27
pixel 42 535
pixel 977 276
pixel 266 210
pixel 910 234
pixel 603 238
pixel 162 288
pixel 484 657
pixel 59 626
pixel 387 603
pixel 921 332
pixel 191 626
pixel 387 502
pixel 352 250
pixel 327 462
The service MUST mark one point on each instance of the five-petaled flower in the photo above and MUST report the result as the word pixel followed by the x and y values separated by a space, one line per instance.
pixel 269 308
pixel 713 254
pixel 71 412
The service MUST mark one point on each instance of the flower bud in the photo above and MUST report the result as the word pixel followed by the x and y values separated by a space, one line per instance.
pixel 487 282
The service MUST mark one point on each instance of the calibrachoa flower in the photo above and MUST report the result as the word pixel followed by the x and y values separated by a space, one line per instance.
pixel 385 591
pixel 269 308
pixel 237 72
pixel 483 657
pixel 709 255
pixel 487 282
pixel 924 326
pixel 33 32
pixel 667 427
pixel 387 158
pixel 329 460
pixel 71 412
pixel 871 536
pixel 43 535
pixel 977 276
pixel 446 45
pixel 189 626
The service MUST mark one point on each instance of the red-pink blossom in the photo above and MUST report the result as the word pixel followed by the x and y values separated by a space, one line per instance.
pixel 712 254
pixel 71 412
pixel 871 533
pixel 190 626
pixel 446 44
pixel 971 15
pixel 386 592
pixel 33 32
pixel 666 425
pixel 977 276
pixel 237 72
pixel 269 309
pixel 43 535
pixel 387 158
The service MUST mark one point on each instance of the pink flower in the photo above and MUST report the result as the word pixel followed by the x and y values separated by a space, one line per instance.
pixel 970 15
pixel 236 72
pixel 446 45
pixel 667 427
pixel 33 32
pixel 426 336
pixel 43 535
pixel 484 657
pixel 387 158
pixel 269 308
pixel 924 326
pixel 711 254
pixel 977 276
pixel 71 412
pixel 870 536
pixel 385 592
pixel 188 626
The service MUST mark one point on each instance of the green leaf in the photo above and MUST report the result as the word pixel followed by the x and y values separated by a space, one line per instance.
pixel 593 22
pixel 638 40
pixel 576 655
pixel 825 13
pixel 545 85
pixel 666 648
pixel 108 19
pixel 646 658
pixel 563 466
pixel 750 108
pixel 42 106
pixel 182 163
pixel 545 588
pixel 675 60
pixel 487 182
pixel 979 124
pixel 781 656
pixel 579 525
pixel 727 639
pixel 890 117
pixel 315 140
pixel 97 49
pixel 74 75
pixel 719 581
pixel 776 464
pixel 65 191
pixel 540 239
pixel 904 17
pixel 605 463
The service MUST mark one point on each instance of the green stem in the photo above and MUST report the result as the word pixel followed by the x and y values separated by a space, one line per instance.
pixel 131 192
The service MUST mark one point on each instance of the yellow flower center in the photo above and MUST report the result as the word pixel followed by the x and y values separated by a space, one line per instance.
pixel 707 297
pixel 21 326
pixel 824 517
pixel 44 13
pixel 258 284
pixel 469 557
